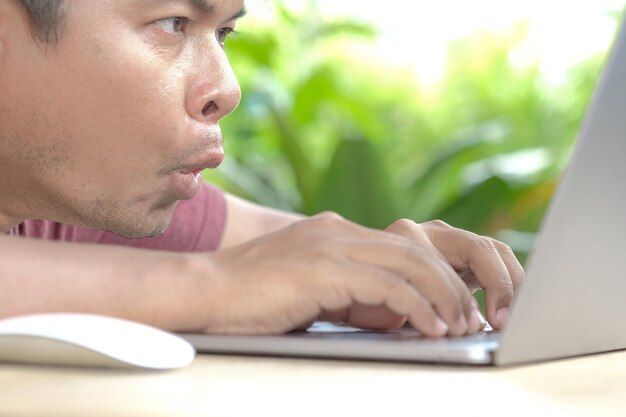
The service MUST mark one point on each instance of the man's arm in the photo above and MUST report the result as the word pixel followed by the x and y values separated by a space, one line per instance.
pixel 246 221
pixel 273 283
pixel 160 288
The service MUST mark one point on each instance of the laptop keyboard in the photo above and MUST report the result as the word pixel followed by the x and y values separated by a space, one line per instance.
pixel 323 330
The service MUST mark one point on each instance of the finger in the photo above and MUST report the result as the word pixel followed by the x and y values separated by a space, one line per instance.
pixel 466 250
pixel 515 269
pixel 426 270
pixel 491 272
pixel 373 286
pixel 516 274
pixel 414 259
pixel 477 322
pixel 416 233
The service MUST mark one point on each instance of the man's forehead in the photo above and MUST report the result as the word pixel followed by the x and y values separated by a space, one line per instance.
pixel 205 6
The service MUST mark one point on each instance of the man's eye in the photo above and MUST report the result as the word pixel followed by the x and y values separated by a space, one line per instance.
pixel 223 33
pixel 172 24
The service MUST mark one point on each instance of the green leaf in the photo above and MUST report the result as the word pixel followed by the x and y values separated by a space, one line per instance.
pixel 320 86
pixel 476 208
pixel 259 49
pixel 441 181
pixel 300 163
pixel 357 186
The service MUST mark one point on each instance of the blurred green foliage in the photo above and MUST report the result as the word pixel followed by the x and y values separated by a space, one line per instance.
pixel 319 128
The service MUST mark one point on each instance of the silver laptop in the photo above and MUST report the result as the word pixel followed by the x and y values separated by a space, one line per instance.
pixel 574 299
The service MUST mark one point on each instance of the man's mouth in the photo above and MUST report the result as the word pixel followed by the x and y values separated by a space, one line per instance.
pixel 210 161
pixel 193 172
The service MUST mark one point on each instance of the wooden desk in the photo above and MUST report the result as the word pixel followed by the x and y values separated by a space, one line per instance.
pixel 253 386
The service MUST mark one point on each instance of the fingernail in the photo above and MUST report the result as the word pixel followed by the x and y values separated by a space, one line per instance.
pixel 477 321
pixel 441 328
pixel 502 316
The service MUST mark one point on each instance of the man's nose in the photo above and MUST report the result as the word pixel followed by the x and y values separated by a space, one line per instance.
pixel 216 92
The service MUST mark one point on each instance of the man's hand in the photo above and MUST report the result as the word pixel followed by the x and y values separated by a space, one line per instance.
pixel 481 262
pixel 328 267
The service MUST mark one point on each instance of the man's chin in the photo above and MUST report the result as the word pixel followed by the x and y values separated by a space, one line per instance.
pixel 139 234
pixel 135 232
pixel 135 220
pixel 152 225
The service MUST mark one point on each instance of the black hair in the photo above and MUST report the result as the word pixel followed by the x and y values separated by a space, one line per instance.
pixel 46 18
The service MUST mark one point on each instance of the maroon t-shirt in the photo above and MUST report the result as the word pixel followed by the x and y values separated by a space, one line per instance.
pixel 197 225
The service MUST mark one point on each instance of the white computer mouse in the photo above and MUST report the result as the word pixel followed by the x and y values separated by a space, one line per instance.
pixel 76 339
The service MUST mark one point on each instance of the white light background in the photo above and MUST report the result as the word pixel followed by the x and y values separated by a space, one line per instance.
pixel 417 33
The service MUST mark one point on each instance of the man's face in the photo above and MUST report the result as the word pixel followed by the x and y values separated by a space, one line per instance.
pixel 112 125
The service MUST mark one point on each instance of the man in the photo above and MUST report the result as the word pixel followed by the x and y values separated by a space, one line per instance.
pixel 109 112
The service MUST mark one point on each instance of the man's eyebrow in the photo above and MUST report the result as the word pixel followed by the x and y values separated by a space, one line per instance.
pixel 204 6
pixel 240 13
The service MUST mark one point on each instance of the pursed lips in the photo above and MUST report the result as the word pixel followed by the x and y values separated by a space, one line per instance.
pixel 209 154
pixel 187 178
pixel 211 161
